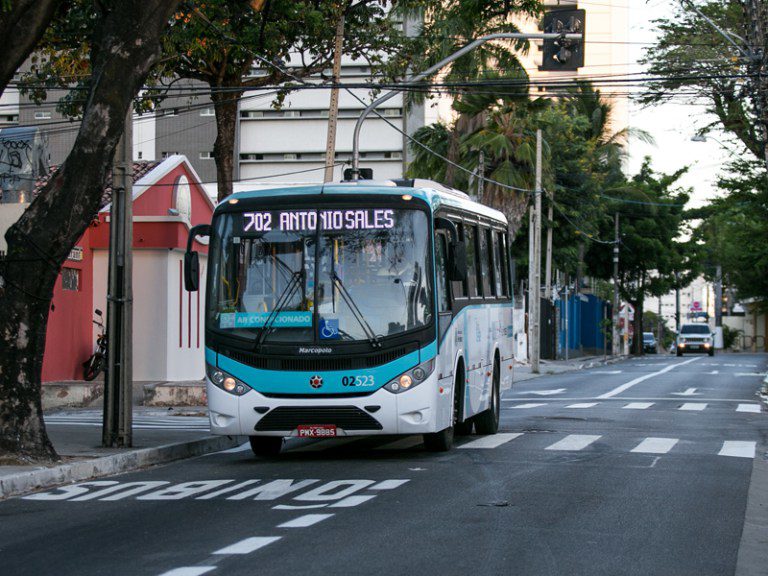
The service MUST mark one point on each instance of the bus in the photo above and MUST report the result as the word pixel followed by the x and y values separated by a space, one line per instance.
pixel 356 308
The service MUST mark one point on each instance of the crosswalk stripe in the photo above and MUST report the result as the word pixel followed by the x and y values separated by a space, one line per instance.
pixel 655 445
pixel 583 405
pixel 737 448
pixel 755 408
pixel 574 442
pixel 523 406
pixel 305 521
pixel 248 545
pixel 693 406
pixel 189 571
pixel 491 441
pixel 637 406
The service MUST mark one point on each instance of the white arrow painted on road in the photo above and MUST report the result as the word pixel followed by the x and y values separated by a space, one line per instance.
pixel 688 392
pixel 546 392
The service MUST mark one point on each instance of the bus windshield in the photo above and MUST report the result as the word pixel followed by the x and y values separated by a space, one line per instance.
pixel 317 275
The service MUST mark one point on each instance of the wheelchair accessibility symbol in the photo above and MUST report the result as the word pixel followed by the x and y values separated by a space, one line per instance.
pixel 329 329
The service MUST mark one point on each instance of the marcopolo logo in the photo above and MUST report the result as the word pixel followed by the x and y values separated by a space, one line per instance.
pixel 316 381
pixel 315 350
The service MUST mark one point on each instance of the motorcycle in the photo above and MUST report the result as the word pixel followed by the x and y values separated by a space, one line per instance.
pixel 98 360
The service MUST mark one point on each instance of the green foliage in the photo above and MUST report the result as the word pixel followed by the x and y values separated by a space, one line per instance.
pixel 692 60
pixel 730 336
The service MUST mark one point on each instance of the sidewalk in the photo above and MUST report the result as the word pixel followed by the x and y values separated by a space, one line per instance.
pixel 159 436
pixel 548 367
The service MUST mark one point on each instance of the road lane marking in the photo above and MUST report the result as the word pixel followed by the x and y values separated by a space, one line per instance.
pixel 655 445
pixel 755 408
pixel 305 521
pixel 693 406
pixel 583 405
pixel 637 406
pixel 749 374
pixel 248 545
pixel 492 441
pixel 688 392
pixel 189 571
pixel 574 442
pixel 352 501
pixel 738 449
pixel 523 406
pixel 631 383
pixel 714 372
pixel 546 392
pixel 388 484
pixel 607 372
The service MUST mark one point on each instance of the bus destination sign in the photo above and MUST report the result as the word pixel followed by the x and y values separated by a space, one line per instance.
pixel 307 220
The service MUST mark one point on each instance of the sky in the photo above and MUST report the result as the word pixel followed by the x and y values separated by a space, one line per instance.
pixel 672 125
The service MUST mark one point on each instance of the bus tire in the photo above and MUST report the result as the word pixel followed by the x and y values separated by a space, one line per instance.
pixel 443 441
pixel 266 445
pixel 487 422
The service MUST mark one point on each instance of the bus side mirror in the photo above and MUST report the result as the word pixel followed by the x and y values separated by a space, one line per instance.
pixel 192 259
pixel 191 271
pixel 457 261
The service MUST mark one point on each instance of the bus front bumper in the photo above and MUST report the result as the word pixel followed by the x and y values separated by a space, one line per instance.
pixel 423 409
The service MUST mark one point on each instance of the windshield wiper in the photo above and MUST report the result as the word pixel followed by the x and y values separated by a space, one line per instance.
pixel 285 297
pixel 369 333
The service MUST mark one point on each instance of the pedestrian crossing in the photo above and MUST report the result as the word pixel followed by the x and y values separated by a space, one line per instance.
pixel 191 423
pixel 526 442
pixel 751 408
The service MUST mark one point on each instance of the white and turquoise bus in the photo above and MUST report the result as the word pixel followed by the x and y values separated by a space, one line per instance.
pixel 352 309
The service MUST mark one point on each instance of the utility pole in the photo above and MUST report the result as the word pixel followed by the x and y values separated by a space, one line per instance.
pixel 333 111
pixel 480 173
pixel 677 302
pixel 537 261
pixel 615 335
pixel 548 265
pixel 118 391
pixel 531 279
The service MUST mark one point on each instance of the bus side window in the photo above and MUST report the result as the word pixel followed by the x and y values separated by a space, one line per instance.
pixel 459 287
pixel 498 259
pixel 486 263
pixel 441 261
pixel 504 256
pixel 472 269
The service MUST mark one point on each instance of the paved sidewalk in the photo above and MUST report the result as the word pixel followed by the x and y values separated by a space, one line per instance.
pixel 159 436
pixel 548 367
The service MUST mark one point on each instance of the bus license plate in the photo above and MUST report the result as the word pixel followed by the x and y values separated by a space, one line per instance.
pixel 317 430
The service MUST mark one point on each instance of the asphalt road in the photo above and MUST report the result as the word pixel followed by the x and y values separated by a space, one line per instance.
pixel 642 467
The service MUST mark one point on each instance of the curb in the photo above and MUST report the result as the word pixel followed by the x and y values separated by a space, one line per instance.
pixel 25 482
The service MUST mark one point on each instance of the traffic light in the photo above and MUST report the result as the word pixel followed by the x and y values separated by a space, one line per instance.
pixel 561 55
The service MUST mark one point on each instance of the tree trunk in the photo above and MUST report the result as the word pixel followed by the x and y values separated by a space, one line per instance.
pixel 637 341
pixel 126 46
pixel 225 106
pixel 21 27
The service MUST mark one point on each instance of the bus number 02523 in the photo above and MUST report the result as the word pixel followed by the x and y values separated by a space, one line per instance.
pixel 358 381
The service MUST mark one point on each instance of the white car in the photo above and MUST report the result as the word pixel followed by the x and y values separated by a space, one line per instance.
pixel 695 338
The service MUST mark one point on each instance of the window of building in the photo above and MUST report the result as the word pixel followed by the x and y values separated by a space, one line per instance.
pixel 291 113
pixel 167 154
pixel 252 114
pixel 42 115
pixel 207 155
pixel 70 279
pixel 140 155
pixel 251 156
pixel 207 112
pixel 291 156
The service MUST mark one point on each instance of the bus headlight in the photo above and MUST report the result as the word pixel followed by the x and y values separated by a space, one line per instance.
pixel 225 381
pixel 411 378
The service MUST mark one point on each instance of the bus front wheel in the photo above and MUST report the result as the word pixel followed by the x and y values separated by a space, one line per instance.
pixel 266 445
pixel 443 441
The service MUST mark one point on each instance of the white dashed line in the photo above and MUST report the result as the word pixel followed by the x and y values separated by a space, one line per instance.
pixel 248 545
pixel 655 445
pixel 738 449
pixel 523 406
pixel 693 406
pixel 491 441
pixel 755 408
pixel 637 406
pixel 305 521
pixel 574 442
pixel 583 405
pixel 189 571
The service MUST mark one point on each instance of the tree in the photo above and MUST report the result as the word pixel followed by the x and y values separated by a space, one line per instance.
pixel 124 46
pixel 651 210
pixel 22 24
pixel 691 60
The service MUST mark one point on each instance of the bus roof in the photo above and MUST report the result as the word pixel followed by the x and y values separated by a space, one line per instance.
pixel 433 193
